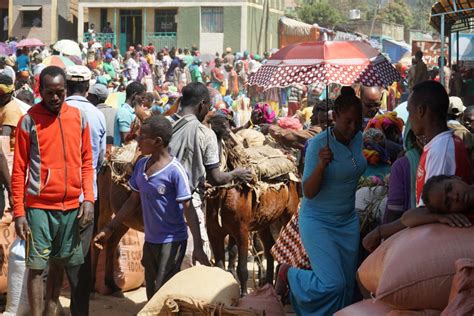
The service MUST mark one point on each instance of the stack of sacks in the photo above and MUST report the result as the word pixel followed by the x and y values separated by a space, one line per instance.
pixel 412 271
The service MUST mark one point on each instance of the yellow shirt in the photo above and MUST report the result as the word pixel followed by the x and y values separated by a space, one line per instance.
pixel 10 114
pixel 307 112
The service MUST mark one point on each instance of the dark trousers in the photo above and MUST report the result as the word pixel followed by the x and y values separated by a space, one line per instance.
pixel 80 277
pixel 161 263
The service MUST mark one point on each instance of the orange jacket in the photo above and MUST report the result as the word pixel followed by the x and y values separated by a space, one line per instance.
pixel 52 163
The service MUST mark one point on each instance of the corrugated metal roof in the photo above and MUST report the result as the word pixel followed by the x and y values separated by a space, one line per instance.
pixel 459 18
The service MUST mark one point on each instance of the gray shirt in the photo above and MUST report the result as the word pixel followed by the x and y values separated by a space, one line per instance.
pixel 109 113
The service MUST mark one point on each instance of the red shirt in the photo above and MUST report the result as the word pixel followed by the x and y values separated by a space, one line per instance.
pixel 445 154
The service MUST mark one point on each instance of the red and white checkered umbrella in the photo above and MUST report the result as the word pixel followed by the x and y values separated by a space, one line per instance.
pixel 343 62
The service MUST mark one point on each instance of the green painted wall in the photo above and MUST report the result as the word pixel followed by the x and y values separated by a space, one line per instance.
pixel 232 29
pixel 268 34
pixel 188 26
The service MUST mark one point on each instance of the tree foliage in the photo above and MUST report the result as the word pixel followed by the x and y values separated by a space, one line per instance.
pixel 395 12
pixel 321 13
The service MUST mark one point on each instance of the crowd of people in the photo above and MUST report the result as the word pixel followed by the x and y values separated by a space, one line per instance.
pixel 175 106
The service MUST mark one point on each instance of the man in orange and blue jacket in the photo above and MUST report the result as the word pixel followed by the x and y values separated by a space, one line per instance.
pixel 52 166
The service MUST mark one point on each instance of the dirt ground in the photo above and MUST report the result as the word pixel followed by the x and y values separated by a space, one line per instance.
pixel 103 305
pixel 134 301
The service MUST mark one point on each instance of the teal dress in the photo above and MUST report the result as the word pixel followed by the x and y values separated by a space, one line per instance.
pixel 329 229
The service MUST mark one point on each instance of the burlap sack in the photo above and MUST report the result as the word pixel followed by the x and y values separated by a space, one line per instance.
pixel 128 270
pixel 250 138
pixel 461 299
pixel 186 306
pixel 413 269
pixel 427 312
pixel 365 308
pixel 263 299
pixel 372 307
pixel 201 284
pixel 7 236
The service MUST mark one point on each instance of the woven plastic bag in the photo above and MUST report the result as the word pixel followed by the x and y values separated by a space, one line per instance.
pixel 289 249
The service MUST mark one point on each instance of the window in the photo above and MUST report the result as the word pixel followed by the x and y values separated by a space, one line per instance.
pixel 212 20
pixel 165 20
pixel 32 16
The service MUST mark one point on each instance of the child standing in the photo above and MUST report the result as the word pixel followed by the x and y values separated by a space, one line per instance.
pixel 160 183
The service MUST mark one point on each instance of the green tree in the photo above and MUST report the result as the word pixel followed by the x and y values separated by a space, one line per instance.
pixel 423 9
pixel 396 12
pixel 321 13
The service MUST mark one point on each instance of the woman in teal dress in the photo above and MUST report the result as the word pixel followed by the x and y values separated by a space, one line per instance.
pixel 329 226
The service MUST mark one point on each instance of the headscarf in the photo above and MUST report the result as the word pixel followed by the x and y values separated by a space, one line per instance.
pixel 413 156
pixel 384 121
pixel 7 88
pixel 268 115
pixel 374 151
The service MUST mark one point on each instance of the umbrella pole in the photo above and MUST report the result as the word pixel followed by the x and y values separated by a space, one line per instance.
pixel 327 115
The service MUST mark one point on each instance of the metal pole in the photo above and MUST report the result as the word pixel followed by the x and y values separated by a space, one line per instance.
pixel 441 65
pixel 457 48
pixel 327 115
pixel 116 27
pixel 144 27
pixel 375 16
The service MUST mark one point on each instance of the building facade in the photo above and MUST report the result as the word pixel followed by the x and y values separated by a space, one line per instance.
pixel 47 20
pixel 210 25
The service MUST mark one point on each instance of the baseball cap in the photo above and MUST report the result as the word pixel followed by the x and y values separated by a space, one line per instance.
pixel 78 73
pixel 456 106
pixel 100 91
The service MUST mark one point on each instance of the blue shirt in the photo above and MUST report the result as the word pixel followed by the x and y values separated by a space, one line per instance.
pixel 161 197
pixel 123 120
pixel 336 199
pixel 22 62
pixel 98 131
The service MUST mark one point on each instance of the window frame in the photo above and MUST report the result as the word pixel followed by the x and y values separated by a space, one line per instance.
pixel 30 25
pixel 166 13
pixel 213 14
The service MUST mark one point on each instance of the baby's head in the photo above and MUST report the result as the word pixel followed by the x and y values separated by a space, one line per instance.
pixel 447 194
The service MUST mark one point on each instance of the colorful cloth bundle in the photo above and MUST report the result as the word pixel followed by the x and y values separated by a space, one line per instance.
pixel 374 150
pixel 266 113
pixel 386 121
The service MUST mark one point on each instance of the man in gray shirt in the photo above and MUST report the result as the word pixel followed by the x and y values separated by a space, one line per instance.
pixel 98 93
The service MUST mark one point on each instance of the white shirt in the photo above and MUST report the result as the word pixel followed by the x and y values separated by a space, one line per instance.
pixel 132 67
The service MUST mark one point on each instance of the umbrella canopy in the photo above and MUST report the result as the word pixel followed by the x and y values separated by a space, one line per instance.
pixel 68 47
pixel 60 61
pixel 30 42
pixel 4 49
pixel 115 99
pixel 76 59
pixel 402 111
pixel 342 62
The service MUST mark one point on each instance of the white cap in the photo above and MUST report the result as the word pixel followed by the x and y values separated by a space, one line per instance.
pixel 456 106
pixel 78 73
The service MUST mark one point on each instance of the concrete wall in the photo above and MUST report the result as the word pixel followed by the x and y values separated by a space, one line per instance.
pixel 261 36
pixel 232 29
pixel 395 31
pixel 42 33
pixel 189 26
pixel 67 21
